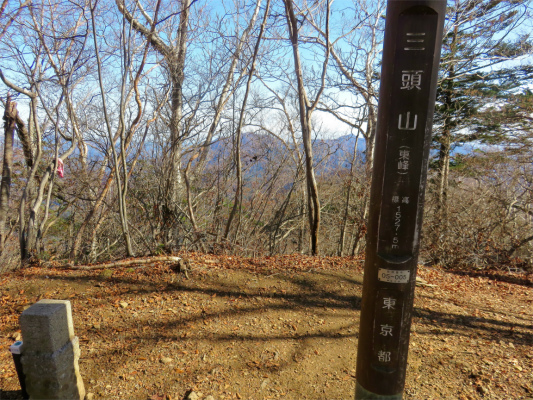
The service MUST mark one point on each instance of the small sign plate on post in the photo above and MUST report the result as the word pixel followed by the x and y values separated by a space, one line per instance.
pixel 393 276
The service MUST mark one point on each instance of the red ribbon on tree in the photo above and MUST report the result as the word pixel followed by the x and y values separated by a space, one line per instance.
pixel 60 167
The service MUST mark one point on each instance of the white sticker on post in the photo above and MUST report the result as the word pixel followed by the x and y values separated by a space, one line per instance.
pixel 393 276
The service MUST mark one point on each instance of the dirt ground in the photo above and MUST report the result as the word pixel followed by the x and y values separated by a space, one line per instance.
pixel 273 328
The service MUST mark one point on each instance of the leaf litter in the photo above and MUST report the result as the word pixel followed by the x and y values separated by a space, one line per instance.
pixel 281 327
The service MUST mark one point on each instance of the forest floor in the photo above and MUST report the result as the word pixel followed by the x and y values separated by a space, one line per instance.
pixel 273 328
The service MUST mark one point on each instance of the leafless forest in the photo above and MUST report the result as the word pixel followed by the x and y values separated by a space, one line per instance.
pixel 247 127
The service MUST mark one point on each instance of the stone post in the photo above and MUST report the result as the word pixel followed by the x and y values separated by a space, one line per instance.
pixel 50 352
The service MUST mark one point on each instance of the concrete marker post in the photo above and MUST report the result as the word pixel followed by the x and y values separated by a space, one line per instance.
pixel 50 352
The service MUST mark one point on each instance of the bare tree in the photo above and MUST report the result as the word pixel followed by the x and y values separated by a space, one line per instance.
pixel 8 18
pixel 173 53
pixel 238 135
pixel 356 54
pixel 5 187
pixel 307 108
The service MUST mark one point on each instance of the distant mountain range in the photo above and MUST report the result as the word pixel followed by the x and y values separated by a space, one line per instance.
pixel 329 154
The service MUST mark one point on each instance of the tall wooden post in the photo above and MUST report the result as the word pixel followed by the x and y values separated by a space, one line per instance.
pixel 413 37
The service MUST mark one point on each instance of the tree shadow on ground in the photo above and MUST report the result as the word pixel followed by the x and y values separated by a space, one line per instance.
pixel 304 294
pixel 522 278
pixel 241 296
pixel 11 395
pixel 310 293
pixel 307 293
pixel 440 323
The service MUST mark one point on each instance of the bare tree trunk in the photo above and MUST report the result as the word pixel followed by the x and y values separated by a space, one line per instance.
pixel 5 187
pixel 342 236
pixel 443 162
pixel 443 173
pixel 306 109
pixel 94 234
pixel 301 232
pixel 227 90
pixel 176 60
pixel 174 56
pixel 30 232
pixel 26 235
pixel 361 230
pixel 238 161
pixel 98 203
pixel 120 189
pixel 190 207
pixel 370 140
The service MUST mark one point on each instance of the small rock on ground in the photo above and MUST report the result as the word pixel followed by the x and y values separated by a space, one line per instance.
pixel 193 396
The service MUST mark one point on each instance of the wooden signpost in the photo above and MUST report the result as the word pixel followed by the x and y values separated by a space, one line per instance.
pixel 411 53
